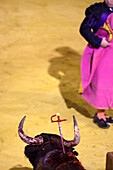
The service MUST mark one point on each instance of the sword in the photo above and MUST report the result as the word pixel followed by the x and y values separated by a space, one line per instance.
pixel 60 129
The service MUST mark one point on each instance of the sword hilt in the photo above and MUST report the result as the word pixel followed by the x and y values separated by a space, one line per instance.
pixel 58 120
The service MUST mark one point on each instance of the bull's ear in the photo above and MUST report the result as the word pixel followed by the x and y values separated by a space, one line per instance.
pixel 27 139
pixel 30 153
pixel 75 153
pixel 29 150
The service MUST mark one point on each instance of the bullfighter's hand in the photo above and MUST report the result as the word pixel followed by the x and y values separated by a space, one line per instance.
pixel 104 43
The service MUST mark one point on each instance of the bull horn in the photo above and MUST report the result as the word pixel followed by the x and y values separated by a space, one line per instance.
pixel 27 139
pixel 76 139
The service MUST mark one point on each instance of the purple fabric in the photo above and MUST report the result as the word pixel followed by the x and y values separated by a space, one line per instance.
pixel 101 21
pixel 97 72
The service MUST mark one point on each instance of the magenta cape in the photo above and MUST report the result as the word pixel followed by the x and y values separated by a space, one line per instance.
pixel 97 71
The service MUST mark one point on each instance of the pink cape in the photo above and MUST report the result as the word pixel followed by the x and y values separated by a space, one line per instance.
pixel 97 72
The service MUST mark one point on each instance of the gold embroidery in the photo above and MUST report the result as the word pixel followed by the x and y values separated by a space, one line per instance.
pixel 108 28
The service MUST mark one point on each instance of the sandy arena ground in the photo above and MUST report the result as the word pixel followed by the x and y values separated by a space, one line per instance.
pixel 40 55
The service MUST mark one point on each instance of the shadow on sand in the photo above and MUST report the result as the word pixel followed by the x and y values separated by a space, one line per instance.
pixel 66 68
pixel 19 167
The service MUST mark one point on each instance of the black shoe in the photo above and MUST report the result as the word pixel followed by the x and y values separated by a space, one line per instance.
pixel 109 120
pixel 101 123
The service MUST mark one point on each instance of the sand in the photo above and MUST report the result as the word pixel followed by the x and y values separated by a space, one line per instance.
pixel 40 55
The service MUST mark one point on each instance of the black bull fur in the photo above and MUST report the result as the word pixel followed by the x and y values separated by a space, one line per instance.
pixel 45 150
pixel 49 156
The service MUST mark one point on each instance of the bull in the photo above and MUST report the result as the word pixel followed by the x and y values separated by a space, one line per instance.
pixel 44 151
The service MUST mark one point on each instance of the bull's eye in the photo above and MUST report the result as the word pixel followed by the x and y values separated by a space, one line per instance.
pixel 43 149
